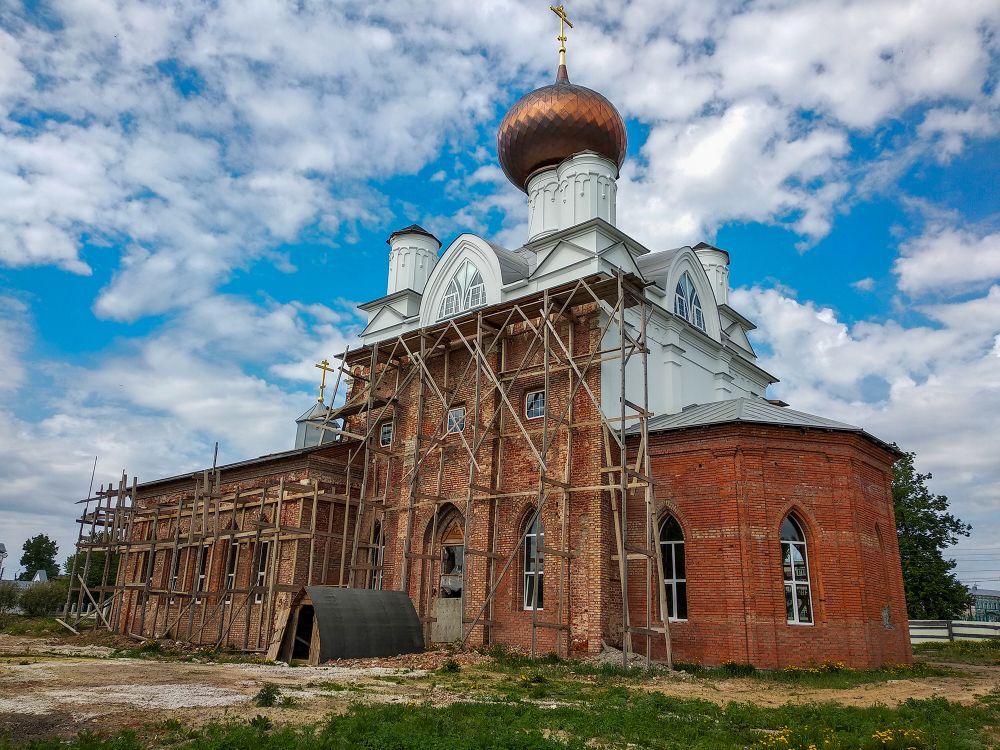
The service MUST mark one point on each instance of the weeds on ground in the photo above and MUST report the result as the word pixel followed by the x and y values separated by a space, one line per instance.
pixel 613 717
pixel 268 695
pixel 968 652
pixel 24 625
pixel 165 651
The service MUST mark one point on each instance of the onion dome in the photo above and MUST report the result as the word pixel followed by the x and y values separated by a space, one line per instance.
pixel 551 124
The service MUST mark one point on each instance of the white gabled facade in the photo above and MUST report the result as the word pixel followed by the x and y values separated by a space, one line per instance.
pixel 698 347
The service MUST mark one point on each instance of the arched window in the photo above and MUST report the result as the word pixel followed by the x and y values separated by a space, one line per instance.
pixel 795 563
pixel 674 575
pixel 466 291
pixel 534 565
pixel 687 303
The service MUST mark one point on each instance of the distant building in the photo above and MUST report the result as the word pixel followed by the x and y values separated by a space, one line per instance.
pixel 986 604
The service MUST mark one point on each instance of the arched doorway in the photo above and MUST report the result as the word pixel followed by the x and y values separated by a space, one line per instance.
pixel 447 577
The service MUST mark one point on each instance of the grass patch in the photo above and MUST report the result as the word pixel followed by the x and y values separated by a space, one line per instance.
pixel 831 675
pixel 158 651
pixel 614 717
pixel 23 625
pixel 268 695
pixel 968 652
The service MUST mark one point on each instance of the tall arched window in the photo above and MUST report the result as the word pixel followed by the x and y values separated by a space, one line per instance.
pixel 687 303
pixel 466 291
pixel 534 565
pixel 795 564
pixel 674 575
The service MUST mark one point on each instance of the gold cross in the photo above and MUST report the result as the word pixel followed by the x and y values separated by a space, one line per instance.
pixel 564 21
pixel 325 367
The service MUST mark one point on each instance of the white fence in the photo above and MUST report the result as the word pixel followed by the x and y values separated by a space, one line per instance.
pixel 924 631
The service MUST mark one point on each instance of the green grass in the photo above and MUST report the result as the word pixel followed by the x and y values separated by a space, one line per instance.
pixel 615 717
pixel 23 625
pixel 831 675
pixel 969 652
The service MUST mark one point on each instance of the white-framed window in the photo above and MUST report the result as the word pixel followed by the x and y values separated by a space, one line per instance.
pixel 795 566
pixel 674 573
pixel 466 291
pixel 456 419
pixel 377 557
pixel 385 434
pixel 687 303
pixel 534 404
pixel 202 579
pixel 534 566
pixel 260 577
pixel 232 563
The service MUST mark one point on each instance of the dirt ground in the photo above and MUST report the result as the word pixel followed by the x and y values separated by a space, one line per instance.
pixel 58 687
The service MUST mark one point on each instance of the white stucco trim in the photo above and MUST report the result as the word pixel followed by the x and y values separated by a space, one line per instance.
pixel 465 247
pixel 687 260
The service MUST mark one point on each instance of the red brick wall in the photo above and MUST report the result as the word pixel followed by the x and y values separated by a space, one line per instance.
pixel 730 487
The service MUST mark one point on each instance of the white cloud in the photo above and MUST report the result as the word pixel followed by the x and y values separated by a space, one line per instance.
pixel 864 285
pixel 947 259
pixel 225 370
pixel 934 389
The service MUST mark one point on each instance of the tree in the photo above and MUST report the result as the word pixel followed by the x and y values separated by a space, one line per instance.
pixel 43 598
pixel 924 528
pixel 96 569
pixel 39 554
pixel 9 594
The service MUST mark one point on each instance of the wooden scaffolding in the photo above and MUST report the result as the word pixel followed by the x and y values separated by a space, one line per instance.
pixel 500 345
pixel 493 370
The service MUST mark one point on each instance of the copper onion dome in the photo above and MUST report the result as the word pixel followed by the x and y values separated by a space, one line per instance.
pixel 555 122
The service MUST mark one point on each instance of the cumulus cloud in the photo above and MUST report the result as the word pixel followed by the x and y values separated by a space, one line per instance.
pixel 934 388
pixel 948 259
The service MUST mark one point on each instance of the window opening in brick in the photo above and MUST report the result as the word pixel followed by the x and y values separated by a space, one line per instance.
pixel 795 564
pixel 534 566
pixel 674 573
pixel 202 573
pixel 456 419
pixel 534 404
pixel 377 558
pixel 261 575
pixel 385 434
pixel 232 560
pixel 452 562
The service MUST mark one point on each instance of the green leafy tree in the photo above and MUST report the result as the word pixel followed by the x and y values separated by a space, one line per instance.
pixel 39 554
pixel 96 568
pixel 925 528
pixel 9 594
pixel 43 598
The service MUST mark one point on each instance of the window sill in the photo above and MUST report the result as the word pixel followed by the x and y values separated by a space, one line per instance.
pixel 800 624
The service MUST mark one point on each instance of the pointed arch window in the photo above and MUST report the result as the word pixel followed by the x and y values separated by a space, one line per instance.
pixel 534 565
pixel 795 565
pixel 466 291
pixel 674 573
pixel 687 303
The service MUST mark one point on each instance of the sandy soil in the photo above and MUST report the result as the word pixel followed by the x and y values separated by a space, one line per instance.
pixel 50 686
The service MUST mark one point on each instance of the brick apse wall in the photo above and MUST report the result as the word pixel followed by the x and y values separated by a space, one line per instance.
pixel 730 487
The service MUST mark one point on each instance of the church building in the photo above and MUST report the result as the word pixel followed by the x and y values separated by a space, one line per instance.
pixel 550 447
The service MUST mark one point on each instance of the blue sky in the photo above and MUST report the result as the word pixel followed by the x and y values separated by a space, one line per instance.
pixel 195 196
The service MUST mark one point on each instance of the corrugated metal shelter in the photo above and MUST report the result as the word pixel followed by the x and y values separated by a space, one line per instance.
pixel 330 622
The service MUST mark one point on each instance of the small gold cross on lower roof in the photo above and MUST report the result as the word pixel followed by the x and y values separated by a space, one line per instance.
pixel 564 21
pixel 325 367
